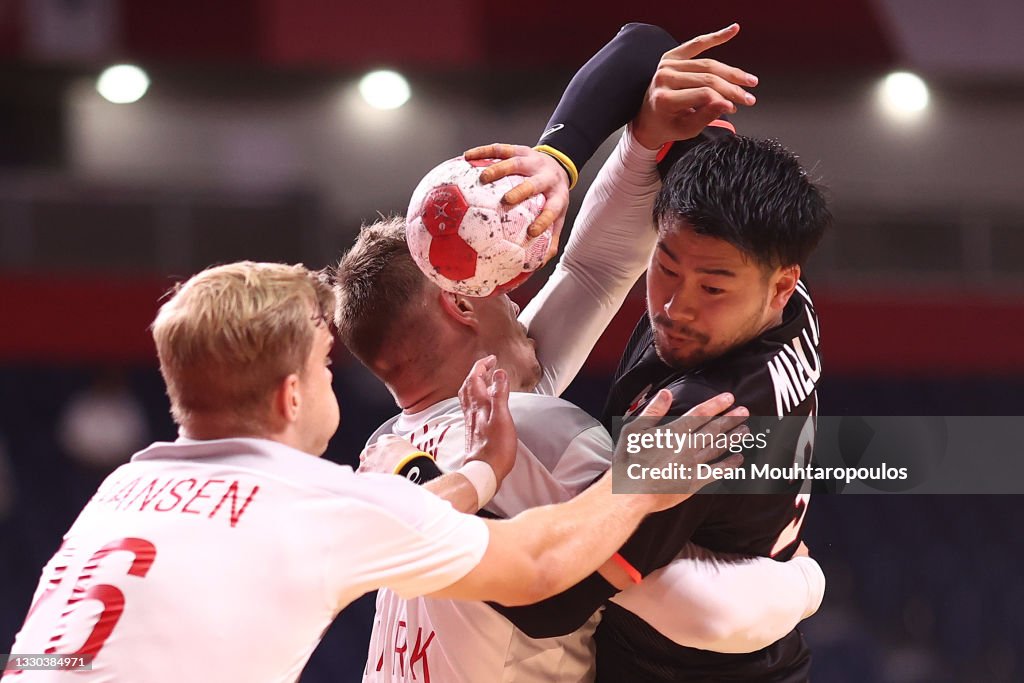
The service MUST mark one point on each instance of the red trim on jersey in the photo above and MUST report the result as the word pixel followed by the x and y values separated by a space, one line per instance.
pixel 663 151
pixel 634 574
pixel 722 123
pixel 718 123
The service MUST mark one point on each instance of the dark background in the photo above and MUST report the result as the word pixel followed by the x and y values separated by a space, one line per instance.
pixel 252 143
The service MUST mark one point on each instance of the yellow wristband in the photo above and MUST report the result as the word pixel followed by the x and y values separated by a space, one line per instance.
pixel 409 458
pixel 562 159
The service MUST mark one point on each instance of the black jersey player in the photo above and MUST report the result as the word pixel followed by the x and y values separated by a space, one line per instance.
pixel 727 311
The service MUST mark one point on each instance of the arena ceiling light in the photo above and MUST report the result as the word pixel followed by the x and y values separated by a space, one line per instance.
pixel 384 89
pixel 903 95
pixel 122 84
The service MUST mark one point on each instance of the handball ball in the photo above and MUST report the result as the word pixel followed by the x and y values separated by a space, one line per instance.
pixel 464 239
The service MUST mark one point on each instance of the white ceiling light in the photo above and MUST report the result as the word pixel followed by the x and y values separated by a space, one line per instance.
pixel 903 95
pixel 384 89
pixel 122 84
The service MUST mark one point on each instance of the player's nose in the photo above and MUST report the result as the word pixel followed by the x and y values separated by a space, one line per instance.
pixel 681 308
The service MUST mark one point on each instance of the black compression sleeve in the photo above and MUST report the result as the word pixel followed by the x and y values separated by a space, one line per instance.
pixel 560 614
pixel 653 545
pixel 606 93
pixel 661 536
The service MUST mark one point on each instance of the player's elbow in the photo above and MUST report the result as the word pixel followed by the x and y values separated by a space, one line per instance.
pixel 639 33
pixel 534 582
pixel 719 624
pixel 722 635
pixel 730 633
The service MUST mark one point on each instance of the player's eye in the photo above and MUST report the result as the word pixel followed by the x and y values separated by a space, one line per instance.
pixel 713 291
pixel 670 273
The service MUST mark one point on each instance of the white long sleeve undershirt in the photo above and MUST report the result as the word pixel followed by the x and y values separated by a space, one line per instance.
pixel 726 603
pixel 607 252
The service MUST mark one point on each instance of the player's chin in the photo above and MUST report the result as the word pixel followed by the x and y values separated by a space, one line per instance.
pixel 528 377
pixel 536 376
pixel 679 355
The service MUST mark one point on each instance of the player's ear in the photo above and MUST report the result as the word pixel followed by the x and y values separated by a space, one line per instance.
pixel 459 308
pixel 288 399
pixel 783 284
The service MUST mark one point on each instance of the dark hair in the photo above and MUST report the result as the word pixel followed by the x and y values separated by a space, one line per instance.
pixel 751 193
pixel 376 282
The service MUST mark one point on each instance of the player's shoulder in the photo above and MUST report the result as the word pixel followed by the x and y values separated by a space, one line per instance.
pixel 689 391
pixel 639 342
pixel 386 427
pixel 304 483
pixel 259 458
pixel 745 376
pixel 525 403
pixel 643 333
pixel 557 433
pixel 547 417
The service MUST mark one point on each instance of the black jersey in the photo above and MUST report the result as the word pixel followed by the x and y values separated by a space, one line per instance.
pixel 764 377
pixel 774 375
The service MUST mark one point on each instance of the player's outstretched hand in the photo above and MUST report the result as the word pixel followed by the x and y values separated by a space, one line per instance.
pixel 542 175
pixel 705 426
pixel 686 94
pixel 490 431
pixel 384 454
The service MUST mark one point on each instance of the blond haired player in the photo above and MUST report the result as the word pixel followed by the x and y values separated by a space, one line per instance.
pixel 224 555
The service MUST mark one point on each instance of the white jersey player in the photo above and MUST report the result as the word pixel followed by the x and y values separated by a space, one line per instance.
pixel 223 556
pixel 143 574
pixel 562 450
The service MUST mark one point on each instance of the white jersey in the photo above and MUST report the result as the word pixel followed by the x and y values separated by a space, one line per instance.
pixel 561 451
pixel 226 560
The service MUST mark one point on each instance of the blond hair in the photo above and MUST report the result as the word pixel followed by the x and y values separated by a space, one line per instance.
pixel 229 335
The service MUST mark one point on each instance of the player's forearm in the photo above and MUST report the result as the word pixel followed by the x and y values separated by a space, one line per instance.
pixel 457 490
pixel 769 603
pixel 560 545
pixel 814 579
pixel 421 468
pixel 726 604
pixel 614 234
pixel 606 92
pixel 608 251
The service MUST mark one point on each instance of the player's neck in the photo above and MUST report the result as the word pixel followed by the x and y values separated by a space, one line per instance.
pixel 289 437
pixel 773 321
pixel 413 399
pixel 200 429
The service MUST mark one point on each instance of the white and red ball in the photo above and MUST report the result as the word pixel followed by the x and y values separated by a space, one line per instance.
pixel 464 239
